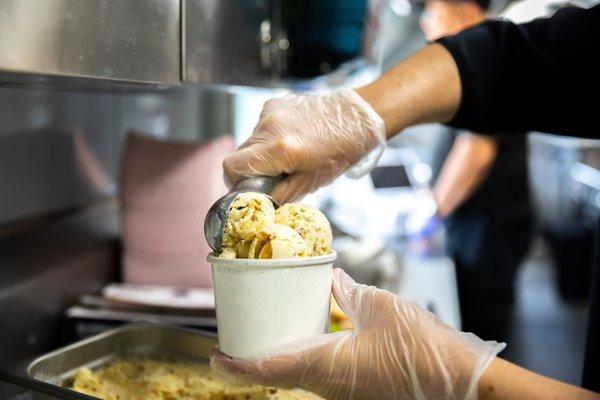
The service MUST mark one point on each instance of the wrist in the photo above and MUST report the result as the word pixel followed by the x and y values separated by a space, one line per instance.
pixel 365 131
pixel 486 386
pixel 441 211
pixel 371 121
pixel 371 94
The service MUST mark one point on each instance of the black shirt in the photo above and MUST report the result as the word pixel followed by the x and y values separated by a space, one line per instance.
pixel 544 76
pixel 540 76
pixel 505 187
pixel 591 371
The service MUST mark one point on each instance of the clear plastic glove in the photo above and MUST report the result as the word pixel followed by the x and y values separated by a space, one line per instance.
pixel 312 139
pixel 396 351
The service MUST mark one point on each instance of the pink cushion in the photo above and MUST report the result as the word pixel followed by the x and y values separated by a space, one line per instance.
pixel 166 189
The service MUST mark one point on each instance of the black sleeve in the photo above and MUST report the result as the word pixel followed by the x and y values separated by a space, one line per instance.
pixel 591 365
pixel 543 75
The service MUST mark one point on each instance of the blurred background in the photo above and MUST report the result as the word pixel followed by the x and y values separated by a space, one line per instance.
pixel 111 141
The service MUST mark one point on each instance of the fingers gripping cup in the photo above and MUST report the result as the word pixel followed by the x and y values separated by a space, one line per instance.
pixel 263 303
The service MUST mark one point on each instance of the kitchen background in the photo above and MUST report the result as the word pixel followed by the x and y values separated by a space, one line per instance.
pixel 62 136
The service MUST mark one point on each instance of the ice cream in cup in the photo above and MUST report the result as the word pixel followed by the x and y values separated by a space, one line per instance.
pixel 273 279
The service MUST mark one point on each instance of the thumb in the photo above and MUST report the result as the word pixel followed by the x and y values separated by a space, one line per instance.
pixel 345 292
pixel 361 303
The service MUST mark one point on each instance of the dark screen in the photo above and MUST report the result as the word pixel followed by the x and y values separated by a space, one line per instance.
pixel 393 176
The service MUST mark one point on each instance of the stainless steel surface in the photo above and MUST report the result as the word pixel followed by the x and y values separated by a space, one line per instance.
pixel 39 264
pixel 163 42
pixel 232 42
pixel 215 221
pixel 61 149
pixel 216 218
pixel 57 151
pixel 555 192
pixel 49 373
pixel 105 39
pixel 260 184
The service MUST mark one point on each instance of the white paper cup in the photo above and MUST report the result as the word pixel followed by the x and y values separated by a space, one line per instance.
pixel 261 304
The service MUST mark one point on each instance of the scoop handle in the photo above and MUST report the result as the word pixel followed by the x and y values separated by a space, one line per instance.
pixel 259 183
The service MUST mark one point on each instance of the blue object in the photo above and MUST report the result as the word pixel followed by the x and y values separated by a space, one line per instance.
pixel 325 31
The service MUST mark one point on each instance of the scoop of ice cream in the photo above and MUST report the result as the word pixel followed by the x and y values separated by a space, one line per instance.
pixel 255 247
pixel 278 241
pixel 249 213
pixel 254 229
pixel 242 248
pixel 228 252
pixel 310 223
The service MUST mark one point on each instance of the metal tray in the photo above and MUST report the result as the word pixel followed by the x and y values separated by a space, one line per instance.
pixel 48 376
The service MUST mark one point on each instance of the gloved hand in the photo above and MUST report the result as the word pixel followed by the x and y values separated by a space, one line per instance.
pixel 313 139
pixel 396 351
pixel 422 219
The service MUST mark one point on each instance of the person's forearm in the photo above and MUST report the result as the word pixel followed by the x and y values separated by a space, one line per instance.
pixel 464 169
pixel 505 381
pixel 423 88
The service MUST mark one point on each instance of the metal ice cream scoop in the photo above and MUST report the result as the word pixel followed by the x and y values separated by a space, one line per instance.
pixel 216 218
